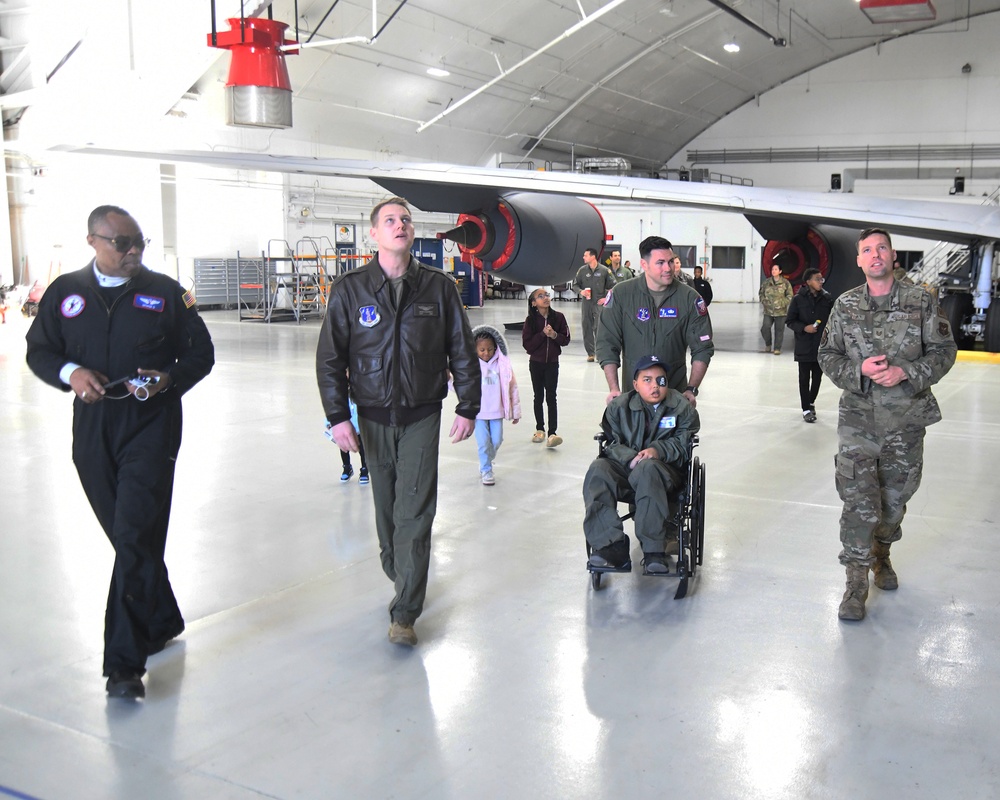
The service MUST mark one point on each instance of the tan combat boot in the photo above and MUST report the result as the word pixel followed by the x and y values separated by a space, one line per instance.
pixel 853 604
pixel 885 575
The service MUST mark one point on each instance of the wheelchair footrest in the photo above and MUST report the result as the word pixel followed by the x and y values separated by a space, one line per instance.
pixel 609 568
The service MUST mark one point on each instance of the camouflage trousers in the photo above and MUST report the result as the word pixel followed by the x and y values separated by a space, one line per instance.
pixel 876 475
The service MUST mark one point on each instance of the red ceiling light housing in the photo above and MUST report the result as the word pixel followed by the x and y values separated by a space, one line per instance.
pixel 879 11
pixel 258 92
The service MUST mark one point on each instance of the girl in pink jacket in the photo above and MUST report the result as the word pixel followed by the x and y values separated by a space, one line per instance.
pixel 500 397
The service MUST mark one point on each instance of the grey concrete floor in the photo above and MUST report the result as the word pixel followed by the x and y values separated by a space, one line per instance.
pixel 526 682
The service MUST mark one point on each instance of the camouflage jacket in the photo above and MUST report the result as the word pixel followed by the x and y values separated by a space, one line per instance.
pixel 776 295
pixel 914 334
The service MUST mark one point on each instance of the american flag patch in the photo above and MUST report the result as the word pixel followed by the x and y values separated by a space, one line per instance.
pixel 188 299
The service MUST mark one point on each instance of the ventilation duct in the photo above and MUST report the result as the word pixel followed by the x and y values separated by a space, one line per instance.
pixel 258 91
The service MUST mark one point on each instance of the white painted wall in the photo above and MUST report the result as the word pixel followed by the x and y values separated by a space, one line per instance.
pixel 907 91
pixel 629 225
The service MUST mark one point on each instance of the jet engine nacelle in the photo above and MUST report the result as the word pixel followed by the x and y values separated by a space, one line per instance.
pixel 529 237
pixel 795 247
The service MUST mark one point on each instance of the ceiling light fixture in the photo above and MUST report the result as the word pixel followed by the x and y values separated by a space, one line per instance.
pixel 437 72
pixel 898 10
pixel 731 47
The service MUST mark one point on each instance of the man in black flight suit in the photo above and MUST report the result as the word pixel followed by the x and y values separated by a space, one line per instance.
pixel 115 319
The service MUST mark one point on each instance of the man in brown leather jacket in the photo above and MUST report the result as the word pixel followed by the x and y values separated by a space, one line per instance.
pixel 393 330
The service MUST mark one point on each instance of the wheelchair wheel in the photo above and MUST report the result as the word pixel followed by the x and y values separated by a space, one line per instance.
pixel 698 510
pixel 595 580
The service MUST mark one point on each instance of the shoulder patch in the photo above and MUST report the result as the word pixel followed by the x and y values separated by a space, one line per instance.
pixel 72 306
pixel 188 298
pixel 608 298
pixel 700 305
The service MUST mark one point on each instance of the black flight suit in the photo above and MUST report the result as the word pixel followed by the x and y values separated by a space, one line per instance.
pixel 125 450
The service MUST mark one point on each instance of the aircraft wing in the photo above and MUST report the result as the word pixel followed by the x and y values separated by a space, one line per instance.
pixel 452 188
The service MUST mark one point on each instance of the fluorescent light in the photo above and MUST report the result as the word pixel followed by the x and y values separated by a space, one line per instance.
pixel 437 72
pixel 731 47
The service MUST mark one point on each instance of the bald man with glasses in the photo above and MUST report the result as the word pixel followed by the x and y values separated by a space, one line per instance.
pixel 128 343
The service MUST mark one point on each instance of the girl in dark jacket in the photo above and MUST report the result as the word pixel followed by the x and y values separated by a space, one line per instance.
pixel 807 316
pixel 545 334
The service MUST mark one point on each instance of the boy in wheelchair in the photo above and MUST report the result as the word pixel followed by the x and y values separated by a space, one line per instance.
pixel 644 462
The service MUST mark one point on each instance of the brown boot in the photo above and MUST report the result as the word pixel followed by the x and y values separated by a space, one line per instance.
pixel 885 575
pixel 853 604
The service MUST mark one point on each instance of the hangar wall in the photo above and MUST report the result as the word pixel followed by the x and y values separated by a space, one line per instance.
pixel 908 91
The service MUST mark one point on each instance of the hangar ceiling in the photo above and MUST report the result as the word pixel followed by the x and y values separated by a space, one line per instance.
pixel 535 79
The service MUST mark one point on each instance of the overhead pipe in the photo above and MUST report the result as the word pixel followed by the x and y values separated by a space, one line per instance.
pixel 564 35
pixel 376 31
pixel 776 41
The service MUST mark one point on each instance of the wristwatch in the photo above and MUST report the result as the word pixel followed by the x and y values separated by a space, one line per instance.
pixel 693 390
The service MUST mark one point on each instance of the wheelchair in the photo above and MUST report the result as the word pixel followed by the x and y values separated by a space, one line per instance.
pixel 689 520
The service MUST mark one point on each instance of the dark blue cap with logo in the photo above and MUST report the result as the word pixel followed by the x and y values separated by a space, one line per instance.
pixel 645 362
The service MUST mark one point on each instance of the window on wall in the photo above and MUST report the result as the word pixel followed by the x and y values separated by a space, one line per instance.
pixel 688 254
pixel 728 257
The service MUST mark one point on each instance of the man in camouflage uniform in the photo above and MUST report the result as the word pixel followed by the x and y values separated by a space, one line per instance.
pixel 593 280
pixel 885 345
pixel 658 315
pixel 775 295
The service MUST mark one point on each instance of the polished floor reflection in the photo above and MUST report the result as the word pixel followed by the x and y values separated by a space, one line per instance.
pixel 526 682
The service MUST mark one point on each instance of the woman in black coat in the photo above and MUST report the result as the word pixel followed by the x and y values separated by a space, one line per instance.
pixel 807 316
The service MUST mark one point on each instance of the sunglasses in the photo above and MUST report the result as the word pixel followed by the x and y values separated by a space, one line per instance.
pixel 125 243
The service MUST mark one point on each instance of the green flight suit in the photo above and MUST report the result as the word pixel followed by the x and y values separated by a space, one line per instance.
pixel 631 425
pixel 632 327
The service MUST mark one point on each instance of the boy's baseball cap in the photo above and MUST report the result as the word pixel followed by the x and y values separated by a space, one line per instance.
pixel 650 361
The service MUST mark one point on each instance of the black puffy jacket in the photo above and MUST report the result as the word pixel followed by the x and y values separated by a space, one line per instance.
pixel 805 309
pixel 398 359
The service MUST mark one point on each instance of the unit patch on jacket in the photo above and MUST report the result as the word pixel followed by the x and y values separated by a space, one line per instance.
pixel 149 303
pixel 668 313
pixel 369 316
pixel 642 314
pixel 72 306
pixel 668 422
pixel 426 310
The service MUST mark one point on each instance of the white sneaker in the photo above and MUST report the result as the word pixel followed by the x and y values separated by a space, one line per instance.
pixel 488 479
pixel 553 441
pixel 539 437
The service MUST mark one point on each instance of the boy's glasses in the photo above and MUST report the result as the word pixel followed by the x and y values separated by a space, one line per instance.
pixel 125 243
